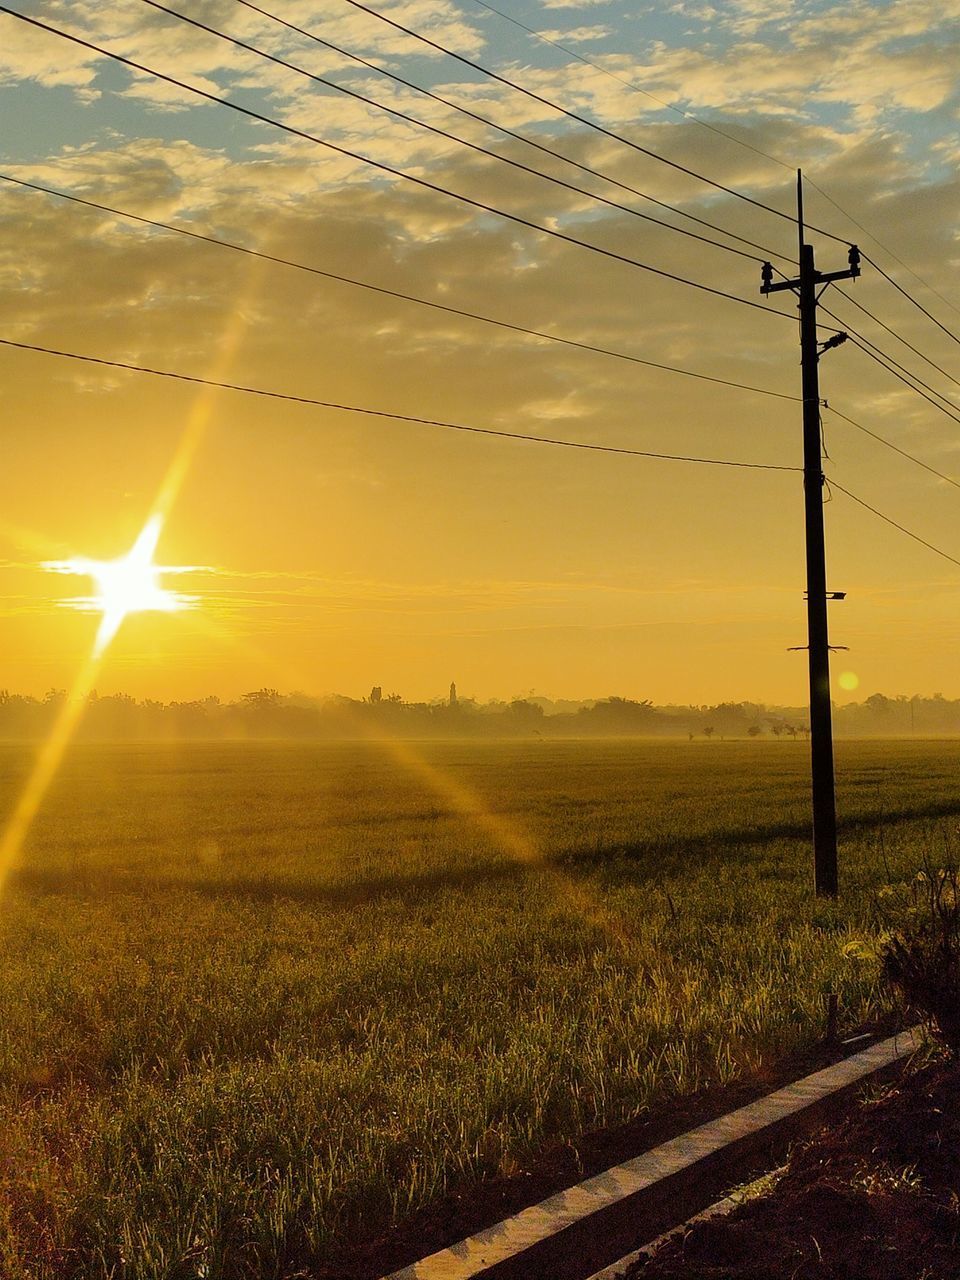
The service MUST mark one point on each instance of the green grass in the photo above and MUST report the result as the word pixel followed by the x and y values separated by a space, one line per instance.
pixel 257 1002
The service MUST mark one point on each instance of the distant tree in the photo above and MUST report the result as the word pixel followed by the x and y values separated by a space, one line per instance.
pixel 526 711
pixel 708 730
pixel 453 694
pixel 619 716
pixel 376 693
pixel 262 698
pixel 754 731
pixel 777 729
pixel 878 702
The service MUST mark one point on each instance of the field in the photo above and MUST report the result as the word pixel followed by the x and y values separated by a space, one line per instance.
pixel 261 1001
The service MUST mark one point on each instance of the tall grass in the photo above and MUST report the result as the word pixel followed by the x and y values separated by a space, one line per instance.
pixel 259 1002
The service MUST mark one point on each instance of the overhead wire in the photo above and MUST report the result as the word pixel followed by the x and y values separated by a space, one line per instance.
pixel 250 48
pixel 242 44
pixel 848 298
pixel 442 133
pixel 902 528
pixel 910 298
pixel 903 375
pixel 888 251
pixel 503 129
pixel 941 475
pixel 741 142
pixel 408 31
pixel 486 431
pixel 398 294
pixel 572 115
pixel 396 417
pixel 610 254
pixel 631 84
pixel 886 361
pixel 413 419
pixel 540 334
pixel 730 137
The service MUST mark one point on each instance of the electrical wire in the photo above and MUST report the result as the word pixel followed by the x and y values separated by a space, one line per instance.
pixel 910 298
pixel 631 84
pixel 882 359
pixel 442 133
pixel 396 293
pixel 899 261
pixel 890 445
pixel 899 337
pixel 396 417
pixel 385 168
pixel 572 115
pixel 902 528
pixel 887 361
pixel 705 124
pixel 509 133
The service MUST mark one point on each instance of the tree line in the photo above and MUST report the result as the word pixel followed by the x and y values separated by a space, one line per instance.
pixel 267 713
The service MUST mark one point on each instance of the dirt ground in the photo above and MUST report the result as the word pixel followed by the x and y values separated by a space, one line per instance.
pixel 875 1198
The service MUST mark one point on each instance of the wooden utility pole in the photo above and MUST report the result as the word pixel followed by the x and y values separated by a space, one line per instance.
pixel 808 287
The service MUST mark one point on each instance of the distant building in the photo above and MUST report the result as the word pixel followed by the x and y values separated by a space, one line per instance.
pixel 453 694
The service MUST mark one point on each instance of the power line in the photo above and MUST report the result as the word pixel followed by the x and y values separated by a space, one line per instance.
pixel 385 168
pixel 888 520
pixel 396 293
pixel 887 362
pixel 890 445
pixel 509 133
pixel 883 358
pixel 910 298
pixel 740 142
pixel 900 338
pixel 879 244
pixel 572 115
pixel 631 84
pixel 442 133
pixel 396 417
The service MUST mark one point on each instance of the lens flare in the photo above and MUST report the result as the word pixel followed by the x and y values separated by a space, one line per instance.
pixel 130 584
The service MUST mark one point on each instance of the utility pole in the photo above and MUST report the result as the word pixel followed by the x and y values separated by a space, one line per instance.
pixel 808 287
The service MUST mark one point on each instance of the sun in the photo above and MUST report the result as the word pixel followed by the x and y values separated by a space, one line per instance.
pixel 130 584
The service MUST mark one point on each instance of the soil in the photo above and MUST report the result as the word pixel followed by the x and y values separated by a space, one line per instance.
pixel 874 1198
pixel 463 1213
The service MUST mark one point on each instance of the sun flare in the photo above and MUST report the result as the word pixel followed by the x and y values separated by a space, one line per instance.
pixel 130 584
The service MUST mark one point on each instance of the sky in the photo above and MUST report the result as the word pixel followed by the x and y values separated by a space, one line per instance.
pixel 332 551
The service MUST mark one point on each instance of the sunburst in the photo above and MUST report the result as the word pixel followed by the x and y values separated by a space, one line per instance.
pixel 129 584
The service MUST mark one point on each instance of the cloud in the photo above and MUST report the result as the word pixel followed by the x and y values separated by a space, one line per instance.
pixel 159 40
pixel 439 514
pixel 578 35
pixel 574 4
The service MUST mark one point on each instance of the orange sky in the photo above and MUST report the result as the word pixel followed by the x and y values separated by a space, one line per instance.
pixel 346 551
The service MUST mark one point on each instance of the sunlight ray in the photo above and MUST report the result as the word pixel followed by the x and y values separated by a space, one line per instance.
pixel 51 752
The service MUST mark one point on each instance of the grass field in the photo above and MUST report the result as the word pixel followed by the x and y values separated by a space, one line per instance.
pixel 260 1001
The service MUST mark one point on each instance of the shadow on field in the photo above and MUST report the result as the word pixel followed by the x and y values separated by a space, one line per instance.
pixel 265 888
pixel 635 861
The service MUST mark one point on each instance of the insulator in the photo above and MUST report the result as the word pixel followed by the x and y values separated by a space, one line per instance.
pixel 766 275
pixel 853 257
